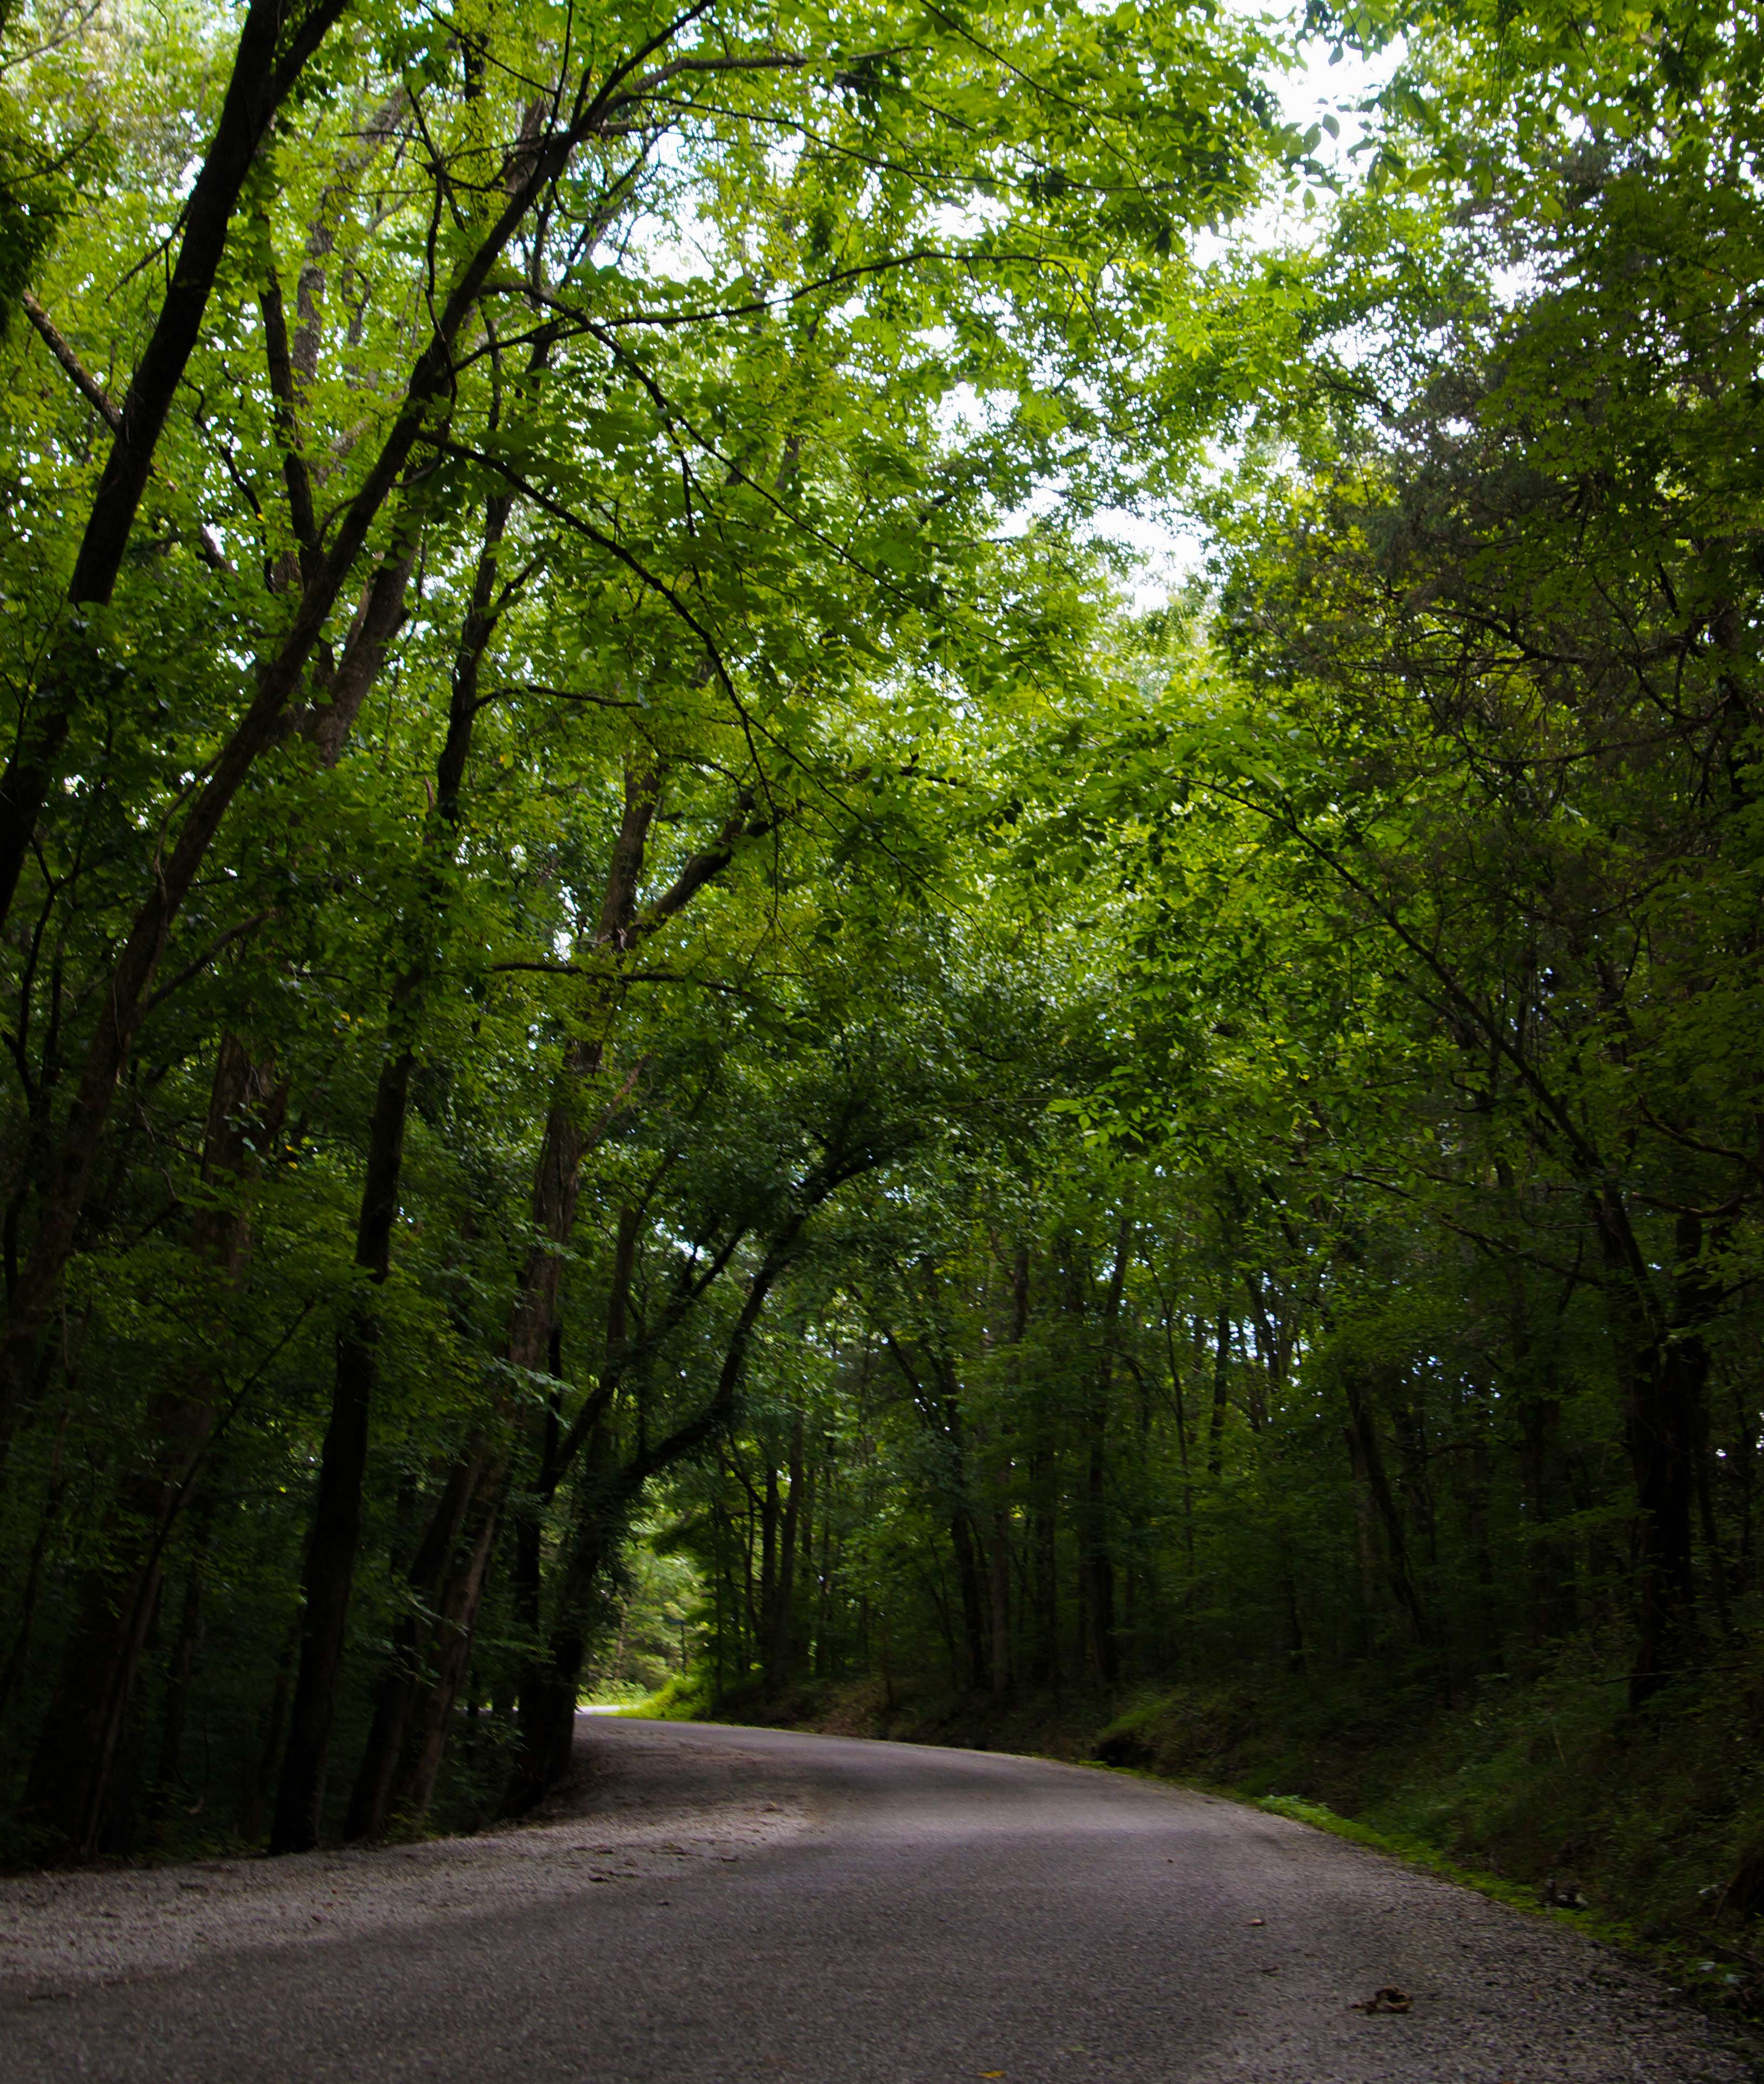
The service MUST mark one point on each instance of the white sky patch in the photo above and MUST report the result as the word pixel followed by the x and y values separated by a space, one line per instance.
pixel 1171 551
pixel 1315 87
pixel 1168 554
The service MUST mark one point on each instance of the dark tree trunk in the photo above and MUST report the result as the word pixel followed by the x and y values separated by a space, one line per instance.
pixel 1105 1643
pixel 331 1554
pixel 168 1780
pixel 1368 1456
pixel 420 1765
pixel 1221 1389
pixel 552 1683
pixel 969 1582
pixel 1696 1298
pixel 336 1522
pixel 1550 1598
pixel 135 962
pixel 255 1808
pixel 475 1474
pixel 802 1623
pixel 1001 1545
pixel 55 1491
pixel 414 1703
pixel 825 1649
pixel 1044 1551
pixel 785 1570
pixel 769 1508
pixel 1661 1370
pixel 999 1559
pixel 262 77
pixel 549 1693
pixel 402 1684
pixel 77 1746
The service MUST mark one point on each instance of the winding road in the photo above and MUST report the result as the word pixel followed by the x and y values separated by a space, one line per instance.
pixel 723 1905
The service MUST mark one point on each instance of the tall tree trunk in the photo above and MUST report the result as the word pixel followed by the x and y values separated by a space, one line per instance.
pixel 168 1781
pixel 1221 1392
pixel 802 1625
pixel 551 1674
pixel 329 1575
pixel 552 1682
pixel 467 1499
pixel 267 62
pixel 1001 1545
pixel 1179 1401
pixel 970 1579
pixel 331 1553
pixel 1661 1370
pixel 1550 1592
pixel 769 1508
pixel 1105 1642
pixel 420 1768
pixel 18 1655
pixel 825 1649
pixel 256 1807
pixel 1368 1456
pixel 784 1571
pixel 126 985
pixel 405 1690
pixel 548 1709
pixel 1044 1550
pixel 999 1558
pixel 1696 1298
pixel 77 1746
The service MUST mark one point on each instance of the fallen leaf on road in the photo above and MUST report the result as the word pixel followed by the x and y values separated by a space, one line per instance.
pixel 1388 1999
pixel 1259 1920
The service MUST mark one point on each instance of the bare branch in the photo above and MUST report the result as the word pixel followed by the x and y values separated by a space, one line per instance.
pixel 194 969
pixel 83 381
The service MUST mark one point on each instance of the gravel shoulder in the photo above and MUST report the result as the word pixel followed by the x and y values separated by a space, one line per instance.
pixel 731 1905
pixel 622 1818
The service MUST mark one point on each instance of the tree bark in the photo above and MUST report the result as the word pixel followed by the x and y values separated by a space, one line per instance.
pixel 167 1779
pixel 1221 1393
pixel 475 1472
pixel 1368 1456
pixel 549 1704
pixel 331 1553
pixel 76 1752
pixel 260 83
pixel 784 1581
pixel 1661 1370
pixel 124 992
pixel 19 1654
pixel 1105 1642
pixel 1044 1551
pixel 969 1576
pixel 409 1688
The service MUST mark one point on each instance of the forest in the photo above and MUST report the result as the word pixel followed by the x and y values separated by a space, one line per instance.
pixel 645 945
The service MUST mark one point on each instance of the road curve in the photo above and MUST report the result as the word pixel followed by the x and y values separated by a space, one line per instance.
pixel 726 1906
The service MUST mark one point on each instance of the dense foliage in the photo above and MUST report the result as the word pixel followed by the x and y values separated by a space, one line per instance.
pixel 612 923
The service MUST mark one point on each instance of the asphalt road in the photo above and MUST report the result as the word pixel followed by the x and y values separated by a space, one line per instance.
pixel 887 1913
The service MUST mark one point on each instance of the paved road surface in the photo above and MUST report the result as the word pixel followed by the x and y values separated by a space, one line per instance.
pixel 723 1904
